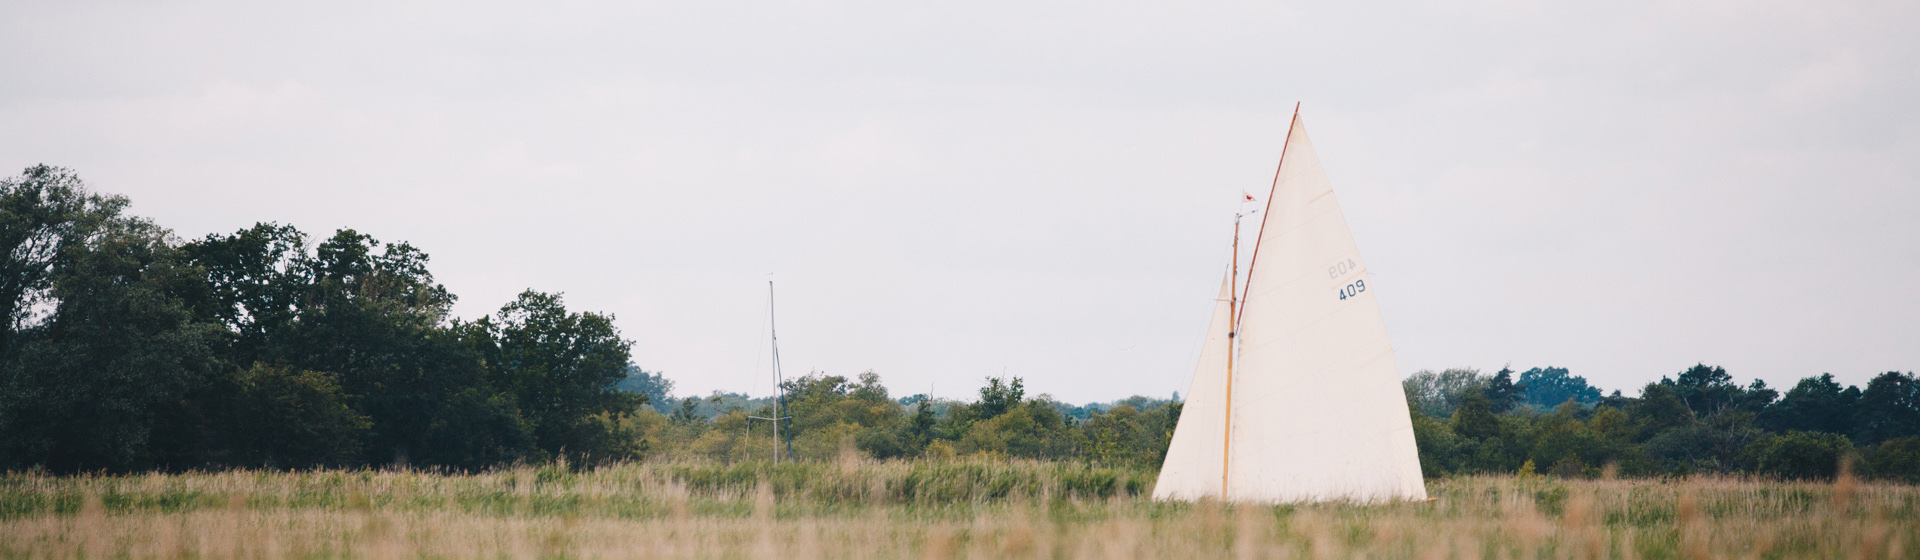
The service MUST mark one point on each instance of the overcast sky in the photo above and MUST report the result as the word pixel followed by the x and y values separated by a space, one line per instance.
pixel 950 190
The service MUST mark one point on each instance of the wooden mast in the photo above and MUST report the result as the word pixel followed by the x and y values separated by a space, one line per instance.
pixel 1233 323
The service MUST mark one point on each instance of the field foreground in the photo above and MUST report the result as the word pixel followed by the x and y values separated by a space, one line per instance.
pixel 969 509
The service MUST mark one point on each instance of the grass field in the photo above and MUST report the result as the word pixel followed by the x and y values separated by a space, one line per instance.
pixel 962 509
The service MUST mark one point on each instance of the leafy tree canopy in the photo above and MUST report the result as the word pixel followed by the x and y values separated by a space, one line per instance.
pixel 1548 387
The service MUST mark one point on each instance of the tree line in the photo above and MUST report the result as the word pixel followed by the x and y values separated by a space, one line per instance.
pixel 1698 421
pixel 126 348
pixel 830 416
pixel 1541 421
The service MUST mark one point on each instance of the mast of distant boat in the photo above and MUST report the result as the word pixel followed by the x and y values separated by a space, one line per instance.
pixel 779 385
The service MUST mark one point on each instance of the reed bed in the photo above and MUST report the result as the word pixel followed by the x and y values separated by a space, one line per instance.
pixel 936 510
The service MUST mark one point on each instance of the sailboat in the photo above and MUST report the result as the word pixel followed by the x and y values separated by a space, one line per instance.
pixel 1297 396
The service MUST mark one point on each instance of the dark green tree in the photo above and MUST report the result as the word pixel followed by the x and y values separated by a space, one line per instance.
pixel 908 438
pixel 475 428
pixel 561 368
pixel 1708 389
pixel 253 283
pixel 46 216
pixel 1888 409
pixel 372 315
pixel 1660 409
pixel 1799 455
pixel 294 419
pixel 1816 404
pixel 1566 445
pixel 1895 459
pixel 1502 394
pixel 1475 418
pixel 1440 447
pixel 1491 443
pixel 998 397
pixel 102 366
pixel 1756 398
pixel 1713 444
pixel 1550 386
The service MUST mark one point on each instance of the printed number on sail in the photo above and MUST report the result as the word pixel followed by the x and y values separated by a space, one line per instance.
pixel 1338 269
pixel 1353 289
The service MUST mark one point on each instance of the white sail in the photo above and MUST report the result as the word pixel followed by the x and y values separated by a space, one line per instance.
pixel 1318 413
pixel 1192 469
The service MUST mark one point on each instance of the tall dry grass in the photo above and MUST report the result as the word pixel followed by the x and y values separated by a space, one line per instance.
pixel 977 509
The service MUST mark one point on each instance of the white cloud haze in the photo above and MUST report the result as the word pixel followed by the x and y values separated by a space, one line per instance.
pixel 946 190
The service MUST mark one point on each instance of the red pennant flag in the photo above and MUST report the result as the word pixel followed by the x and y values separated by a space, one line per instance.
pixel 1249 197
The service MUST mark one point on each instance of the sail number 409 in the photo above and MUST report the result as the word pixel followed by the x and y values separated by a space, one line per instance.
pixel 1353 289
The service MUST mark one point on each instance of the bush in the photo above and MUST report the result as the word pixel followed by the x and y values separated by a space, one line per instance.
pixel 1799 455
pixel 1439 447
pixel 1569 466
pixel 1895 459
pixel 940 451
pixel 295 419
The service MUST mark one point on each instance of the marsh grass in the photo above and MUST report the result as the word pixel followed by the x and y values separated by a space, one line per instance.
pixel 960 509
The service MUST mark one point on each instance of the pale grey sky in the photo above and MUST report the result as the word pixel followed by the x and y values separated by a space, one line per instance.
pixel 951 190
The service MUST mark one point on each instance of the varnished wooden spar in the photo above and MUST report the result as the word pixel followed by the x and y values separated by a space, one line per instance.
pixel 1233 302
